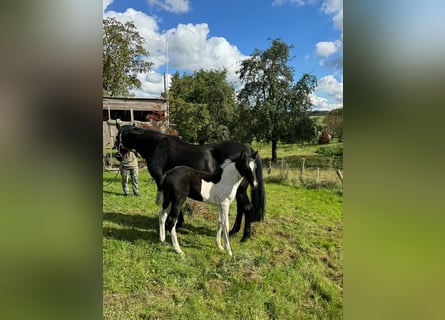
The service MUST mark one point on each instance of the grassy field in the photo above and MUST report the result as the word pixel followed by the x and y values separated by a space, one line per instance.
pixel 290 269
pixel 286 170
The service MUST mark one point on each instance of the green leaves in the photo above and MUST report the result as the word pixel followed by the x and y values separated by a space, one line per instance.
pixel 123 57
pixel 202 106
pixel 279 106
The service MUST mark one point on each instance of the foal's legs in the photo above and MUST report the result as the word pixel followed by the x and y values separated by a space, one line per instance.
pixel 219 226
pixel 175 210
pixel 224 225
pixel 162 218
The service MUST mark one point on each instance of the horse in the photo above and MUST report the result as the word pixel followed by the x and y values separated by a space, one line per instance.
pixel 163 152
pixel 218 187
pixel 325 138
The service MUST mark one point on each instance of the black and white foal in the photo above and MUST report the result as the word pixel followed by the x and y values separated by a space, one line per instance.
pixel 218 187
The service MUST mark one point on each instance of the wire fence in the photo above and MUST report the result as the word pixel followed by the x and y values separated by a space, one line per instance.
pixel 308 172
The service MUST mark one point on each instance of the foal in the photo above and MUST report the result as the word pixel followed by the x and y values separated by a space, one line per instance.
pixel 218 187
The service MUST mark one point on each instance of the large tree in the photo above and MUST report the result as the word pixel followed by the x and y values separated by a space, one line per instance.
pixel 333 122
pixel 202 105
pixel 278 107
pixel 124 57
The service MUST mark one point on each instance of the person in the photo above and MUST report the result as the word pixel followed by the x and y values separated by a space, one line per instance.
pixel 129 166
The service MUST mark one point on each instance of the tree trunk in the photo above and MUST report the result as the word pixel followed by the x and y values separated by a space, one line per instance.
pixel 274 150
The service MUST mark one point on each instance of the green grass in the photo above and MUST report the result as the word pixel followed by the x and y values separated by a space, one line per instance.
pixel 322 156
pixel 291 268
pixel 286 170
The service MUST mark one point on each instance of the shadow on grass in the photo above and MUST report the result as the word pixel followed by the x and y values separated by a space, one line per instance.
pixel 136 227
pixel 187 228
pixel 130 235
pixel 113 192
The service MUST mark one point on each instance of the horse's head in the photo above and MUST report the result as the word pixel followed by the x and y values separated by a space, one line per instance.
pixel 246 166
pixel 119 143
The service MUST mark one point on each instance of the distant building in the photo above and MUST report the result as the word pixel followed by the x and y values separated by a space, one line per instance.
pixel 142 112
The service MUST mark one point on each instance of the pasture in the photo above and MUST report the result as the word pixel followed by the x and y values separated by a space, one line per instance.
pixel 291 268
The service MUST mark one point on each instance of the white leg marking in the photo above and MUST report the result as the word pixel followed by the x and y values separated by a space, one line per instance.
pixel 218 230
pixel 175 240
pixel 162 218
pixel 225 227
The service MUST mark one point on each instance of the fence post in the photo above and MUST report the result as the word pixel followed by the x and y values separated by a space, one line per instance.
pixel 339 174
pixel 302 171
pixel 317 177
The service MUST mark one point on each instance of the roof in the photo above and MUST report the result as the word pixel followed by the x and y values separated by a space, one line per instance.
pixel 142 104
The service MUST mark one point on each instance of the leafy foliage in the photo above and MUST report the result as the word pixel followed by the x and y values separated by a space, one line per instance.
pixel 334 122
pixel 202 106
pixel 331 150
pixel 280 108
pixel 123 57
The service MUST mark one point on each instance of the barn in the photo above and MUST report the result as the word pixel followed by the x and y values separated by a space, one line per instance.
pixel 144 112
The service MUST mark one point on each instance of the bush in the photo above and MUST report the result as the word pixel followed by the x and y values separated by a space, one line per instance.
pixel 331 150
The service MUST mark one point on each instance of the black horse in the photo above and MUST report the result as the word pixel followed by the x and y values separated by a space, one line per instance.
pixel 163 152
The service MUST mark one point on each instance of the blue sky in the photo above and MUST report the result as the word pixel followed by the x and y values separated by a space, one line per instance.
pixel 220 33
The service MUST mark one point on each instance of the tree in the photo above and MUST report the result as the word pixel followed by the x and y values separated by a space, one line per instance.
pixel 202 106
pixel 123 57
pixel 333 122
pixel 279 108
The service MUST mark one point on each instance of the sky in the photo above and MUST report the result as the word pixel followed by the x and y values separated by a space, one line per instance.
pixel 217 34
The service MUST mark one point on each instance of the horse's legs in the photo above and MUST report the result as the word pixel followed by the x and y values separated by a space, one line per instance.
pixel 169 222
pixel 243 206
pixel 224 224
pixel 175 210
pixel 180 219
pixel 219 229
pixel 247 221
pixel 162 218
pixel 159 197
pixel 175 240
pixel 241 198
pixel 239 217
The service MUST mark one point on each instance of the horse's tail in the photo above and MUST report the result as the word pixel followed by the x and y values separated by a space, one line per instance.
pixel 258 194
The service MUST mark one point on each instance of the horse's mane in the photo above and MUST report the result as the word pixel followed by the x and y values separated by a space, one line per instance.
pixel 155 133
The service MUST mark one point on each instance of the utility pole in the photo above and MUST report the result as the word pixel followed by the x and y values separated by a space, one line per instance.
pixel 166 82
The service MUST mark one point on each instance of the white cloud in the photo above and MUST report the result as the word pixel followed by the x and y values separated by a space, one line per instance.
pixel 323 104
pixel 328 94
pixel 152 85
pixel 283 2
pixel 334 7
pixel 106 3
pixel 326 48
pixel 175 6
pixel 294 2
pixel 189 48
pixel 331 52
pixel 331 86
